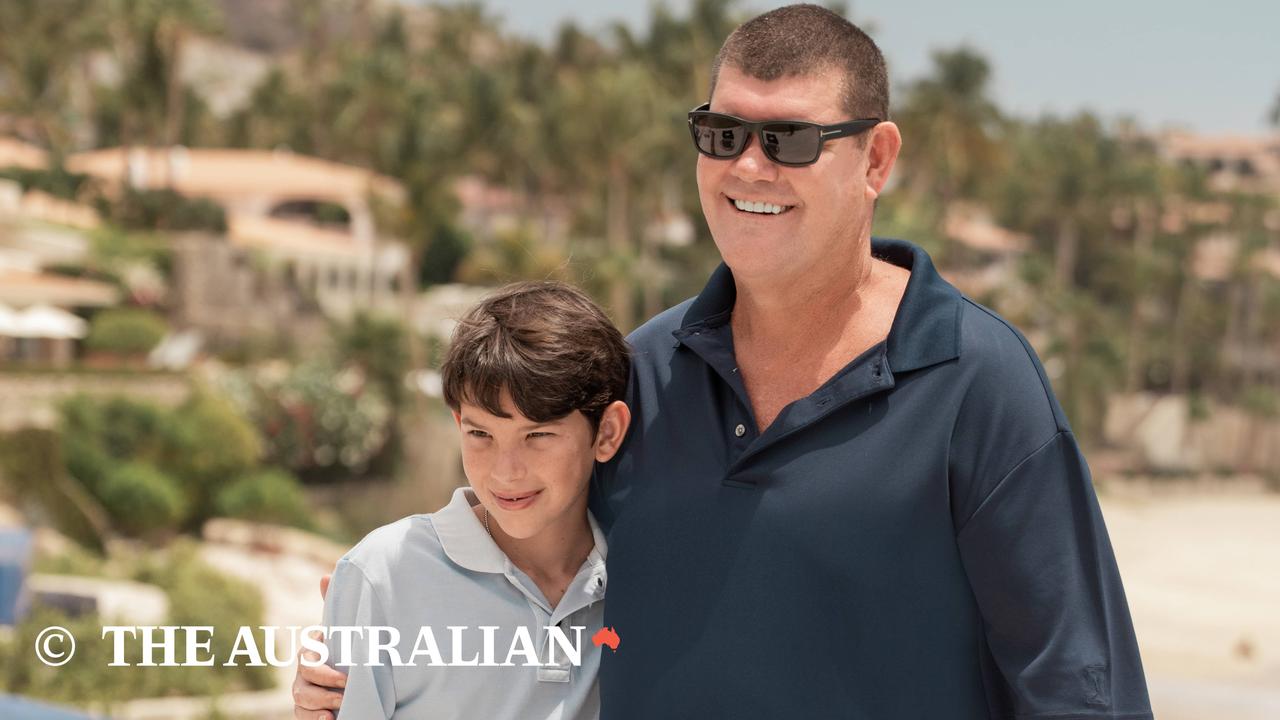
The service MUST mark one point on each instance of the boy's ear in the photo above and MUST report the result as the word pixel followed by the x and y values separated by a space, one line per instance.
pixel 457 419
pixel 614 422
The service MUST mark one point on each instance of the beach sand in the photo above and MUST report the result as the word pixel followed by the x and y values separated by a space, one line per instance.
pixel 1201 571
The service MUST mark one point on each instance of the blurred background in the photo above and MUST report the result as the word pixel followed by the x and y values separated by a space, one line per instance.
pixel 233 234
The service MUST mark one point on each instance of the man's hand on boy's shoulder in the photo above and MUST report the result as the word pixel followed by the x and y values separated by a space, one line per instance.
pixel 317 689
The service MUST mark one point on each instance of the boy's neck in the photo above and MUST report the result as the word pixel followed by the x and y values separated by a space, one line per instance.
pixel 553 557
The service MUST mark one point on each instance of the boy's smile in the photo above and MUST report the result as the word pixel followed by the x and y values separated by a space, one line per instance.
pixel 532 476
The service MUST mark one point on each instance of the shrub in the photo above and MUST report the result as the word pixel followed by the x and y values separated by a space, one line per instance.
pixel 163 210
pixel 142 500
pixel 318 418
pixel 270 496
pixel 198 595
pixel 208 443
pixel 54 181
pixel 32 468
pixel 126 331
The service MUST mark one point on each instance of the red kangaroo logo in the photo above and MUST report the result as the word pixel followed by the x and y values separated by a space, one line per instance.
pixel 606 636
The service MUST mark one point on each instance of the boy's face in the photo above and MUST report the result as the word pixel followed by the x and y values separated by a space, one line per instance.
pixel 533 476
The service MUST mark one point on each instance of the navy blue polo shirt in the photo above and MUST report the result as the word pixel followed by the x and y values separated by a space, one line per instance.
pixel 918 538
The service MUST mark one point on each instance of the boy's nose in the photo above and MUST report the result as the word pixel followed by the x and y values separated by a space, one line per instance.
pixel 507 467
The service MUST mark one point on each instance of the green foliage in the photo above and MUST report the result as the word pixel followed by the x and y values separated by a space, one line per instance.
pixel 379 345
pixel 198 595
pixel 192 450
pixel 317 419
pixel 32 473
pixel 1261 401
pixel 162 210
pixel 112 249
pixel 1198 409
pixel 143 500
pixel 56 181
pixel 446 248
pixel 127 331
pixel 269 496
pixel 207 444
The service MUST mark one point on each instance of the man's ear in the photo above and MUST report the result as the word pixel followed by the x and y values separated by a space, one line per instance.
pixel 613 429
pixel 883 145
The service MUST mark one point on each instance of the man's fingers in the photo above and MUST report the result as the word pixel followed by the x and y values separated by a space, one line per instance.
pixel 324 585
pixel 301 714
pixel 324 676
pixel 311 697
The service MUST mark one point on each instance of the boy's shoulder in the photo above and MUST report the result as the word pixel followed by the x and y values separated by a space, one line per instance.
pixel 410 543
pixel 448 543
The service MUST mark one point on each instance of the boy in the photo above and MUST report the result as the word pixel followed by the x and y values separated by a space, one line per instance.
pixel 487 592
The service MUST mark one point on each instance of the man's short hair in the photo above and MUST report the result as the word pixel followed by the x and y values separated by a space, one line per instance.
pixel 807 39
pixel 545 343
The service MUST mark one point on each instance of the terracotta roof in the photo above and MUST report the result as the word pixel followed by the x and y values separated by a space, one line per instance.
pixel 973 226
pixel 224 173
pixel 292 237
pixel 43 206
pixel 22 288
pixel 17 152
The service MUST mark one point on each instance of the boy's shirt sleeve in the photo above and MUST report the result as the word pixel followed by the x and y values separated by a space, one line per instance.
pixel 352 601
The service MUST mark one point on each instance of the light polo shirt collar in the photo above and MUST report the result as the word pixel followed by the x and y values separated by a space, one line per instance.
pixel 465 541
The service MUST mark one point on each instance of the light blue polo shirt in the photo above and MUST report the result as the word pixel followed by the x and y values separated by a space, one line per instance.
pixel 442 571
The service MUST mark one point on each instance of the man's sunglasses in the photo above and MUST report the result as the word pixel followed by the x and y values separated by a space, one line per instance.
pixel 794 143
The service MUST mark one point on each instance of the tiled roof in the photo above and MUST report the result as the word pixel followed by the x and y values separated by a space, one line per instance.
pixel 220 172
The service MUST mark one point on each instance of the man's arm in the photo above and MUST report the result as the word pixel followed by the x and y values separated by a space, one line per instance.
pixel 368 691
pixel 1045 578
pixel 317 689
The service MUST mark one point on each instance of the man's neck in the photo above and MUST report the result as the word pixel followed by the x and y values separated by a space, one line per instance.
pixel 821 299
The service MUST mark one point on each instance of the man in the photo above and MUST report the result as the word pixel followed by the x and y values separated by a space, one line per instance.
pixel 848 490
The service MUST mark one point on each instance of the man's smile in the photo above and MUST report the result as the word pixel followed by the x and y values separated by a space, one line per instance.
pixel 758 207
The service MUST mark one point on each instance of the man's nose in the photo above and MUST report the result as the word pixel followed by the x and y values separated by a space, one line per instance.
pixel 752 165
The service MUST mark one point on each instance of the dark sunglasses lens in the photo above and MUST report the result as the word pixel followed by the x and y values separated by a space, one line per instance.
pixel 718 136
pixel 791 143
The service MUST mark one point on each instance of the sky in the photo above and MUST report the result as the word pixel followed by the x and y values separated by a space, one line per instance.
pixel 1211 66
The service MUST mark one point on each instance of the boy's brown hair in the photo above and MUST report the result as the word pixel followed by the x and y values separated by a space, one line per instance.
pixel 545 343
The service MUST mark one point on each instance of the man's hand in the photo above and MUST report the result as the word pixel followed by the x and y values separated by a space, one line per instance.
pixel 317 690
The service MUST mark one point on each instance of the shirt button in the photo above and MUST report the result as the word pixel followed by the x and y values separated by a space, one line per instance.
pixel 740 430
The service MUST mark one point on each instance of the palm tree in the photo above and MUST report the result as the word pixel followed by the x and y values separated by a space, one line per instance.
pixel 149 37
pixel 42 43
pixel 951 126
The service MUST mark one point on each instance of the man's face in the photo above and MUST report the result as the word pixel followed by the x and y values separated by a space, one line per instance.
pixel 531 476
pixel 827 204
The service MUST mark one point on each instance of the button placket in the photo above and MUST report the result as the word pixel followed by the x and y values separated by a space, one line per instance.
pixel 559 671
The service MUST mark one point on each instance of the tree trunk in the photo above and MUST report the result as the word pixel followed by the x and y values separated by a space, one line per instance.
pixel 619 242
pixel 175 99
pixel 1137 360
pixel 1065 253
pixel 1180 364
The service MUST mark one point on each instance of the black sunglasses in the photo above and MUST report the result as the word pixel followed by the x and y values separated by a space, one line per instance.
pixel 794 143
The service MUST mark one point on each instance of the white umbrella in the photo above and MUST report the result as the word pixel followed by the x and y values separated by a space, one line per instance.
pixel 45 321
pixel 9 324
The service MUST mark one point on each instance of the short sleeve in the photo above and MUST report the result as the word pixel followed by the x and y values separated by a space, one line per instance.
pixel 1056 622
pixel 351 601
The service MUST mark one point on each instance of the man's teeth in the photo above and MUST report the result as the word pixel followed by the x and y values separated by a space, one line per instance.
pixel 758 207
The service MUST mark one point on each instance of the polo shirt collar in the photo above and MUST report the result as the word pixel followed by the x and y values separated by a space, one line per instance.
pixel 465 541
pixel 925 330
